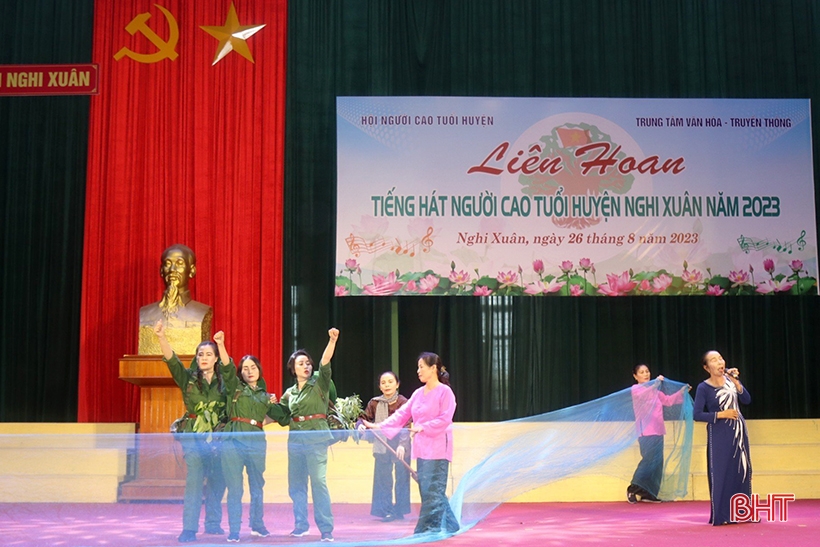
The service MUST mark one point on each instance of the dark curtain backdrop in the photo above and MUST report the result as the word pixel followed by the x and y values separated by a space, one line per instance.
pixel 43 151
pixel 516 357
pixel 508 357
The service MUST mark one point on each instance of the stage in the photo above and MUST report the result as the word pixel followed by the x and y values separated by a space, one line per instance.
pixel 671 524
pixel 65 489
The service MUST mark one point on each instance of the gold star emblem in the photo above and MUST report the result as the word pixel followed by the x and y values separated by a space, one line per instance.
pixel 232 36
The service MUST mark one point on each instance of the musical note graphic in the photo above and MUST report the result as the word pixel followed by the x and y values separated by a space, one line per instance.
pixel 427 240
pixel 801 243
pixel 358 245
pixel 403 249
pixel 783 247
pixel 748 244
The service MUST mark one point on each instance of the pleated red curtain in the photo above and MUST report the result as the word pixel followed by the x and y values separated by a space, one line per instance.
pixel 182 150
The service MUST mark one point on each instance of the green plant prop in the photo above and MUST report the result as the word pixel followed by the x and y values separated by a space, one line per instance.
pixel 209 417
pixel 343 415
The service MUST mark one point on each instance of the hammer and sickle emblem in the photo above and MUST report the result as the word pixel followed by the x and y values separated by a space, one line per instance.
pixel 164 49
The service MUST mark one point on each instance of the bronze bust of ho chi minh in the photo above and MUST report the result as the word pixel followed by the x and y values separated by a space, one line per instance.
pixel 187 322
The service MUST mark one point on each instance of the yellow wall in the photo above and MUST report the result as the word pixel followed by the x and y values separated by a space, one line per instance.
pixel 62 462
pixel 785 458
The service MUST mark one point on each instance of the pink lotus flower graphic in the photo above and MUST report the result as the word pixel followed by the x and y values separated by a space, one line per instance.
pixel 617 285
pixel 428 283
pixel 383 285
pixel 563 278
pixel 539 287
pixel 553 286
pixel 534 288
pixel 459 278
pixel 505 279
pixel 774 286
pixel 661 283
pixel 714 290
pixel 694 277
pixel 739 278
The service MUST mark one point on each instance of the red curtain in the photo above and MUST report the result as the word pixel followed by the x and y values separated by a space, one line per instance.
pixel 182 151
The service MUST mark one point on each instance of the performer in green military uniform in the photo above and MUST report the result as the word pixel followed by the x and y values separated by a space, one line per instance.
pixel 203 392
pixel 306 403
pixel 245 445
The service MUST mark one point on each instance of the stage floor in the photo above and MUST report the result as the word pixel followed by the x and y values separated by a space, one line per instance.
pixel 671 524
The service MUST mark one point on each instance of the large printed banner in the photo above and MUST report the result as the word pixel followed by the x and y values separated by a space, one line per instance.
pixel 535 196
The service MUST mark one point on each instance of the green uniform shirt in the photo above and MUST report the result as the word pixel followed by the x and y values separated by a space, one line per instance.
pixel 192 393
pixel 248 402
pixel 311 399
